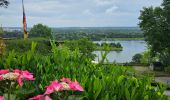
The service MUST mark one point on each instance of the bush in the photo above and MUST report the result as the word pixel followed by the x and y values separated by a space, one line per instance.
pixel 100 82
pixel 137 58
pixel 41 30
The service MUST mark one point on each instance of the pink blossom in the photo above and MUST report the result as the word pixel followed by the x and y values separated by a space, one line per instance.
pixel 67 80
pixel 1 78
pixel 19 80
pixel 4 71
pixel 75 86
pixel 17 71
pixel 47 98
pixel 1 98
pixel 23 75
pixel 38 97
pixel 53 87
pixel 27 75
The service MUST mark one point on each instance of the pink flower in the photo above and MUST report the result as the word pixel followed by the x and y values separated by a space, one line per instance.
pixel 75 86
pixel 1 98
pixel 53 87
pixel 38 97
pixel 4 71
pixel 27 75
pixel 23 75
pixel 67 80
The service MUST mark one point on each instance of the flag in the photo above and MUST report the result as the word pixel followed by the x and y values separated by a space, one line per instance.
pixel 24 22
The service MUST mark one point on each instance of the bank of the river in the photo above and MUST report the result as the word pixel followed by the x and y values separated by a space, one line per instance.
pixel 99 48
pixel 122 39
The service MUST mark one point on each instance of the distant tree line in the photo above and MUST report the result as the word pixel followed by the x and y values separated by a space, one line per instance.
pixel 96 36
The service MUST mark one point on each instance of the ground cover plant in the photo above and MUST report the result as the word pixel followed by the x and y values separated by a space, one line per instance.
pixel 99 82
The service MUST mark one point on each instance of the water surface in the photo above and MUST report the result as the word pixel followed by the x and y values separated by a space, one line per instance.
pixel 130 48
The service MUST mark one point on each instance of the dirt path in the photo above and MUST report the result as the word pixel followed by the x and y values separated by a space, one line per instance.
pixel 159 76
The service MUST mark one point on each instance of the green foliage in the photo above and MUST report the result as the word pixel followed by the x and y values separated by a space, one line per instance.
pixel 112 46
pixel 4 3
pixel 137 58
pixel 101 82
pixel 21 45
pixel 85 47
pixel 155 23
pixel 97 34
pixel 41 30
pixel 146 57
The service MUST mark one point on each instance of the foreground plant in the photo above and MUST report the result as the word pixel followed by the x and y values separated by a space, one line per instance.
pixel 55 87
pixel 10 79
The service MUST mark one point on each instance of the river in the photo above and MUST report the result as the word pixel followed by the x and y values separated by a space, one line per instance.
pixel 130 48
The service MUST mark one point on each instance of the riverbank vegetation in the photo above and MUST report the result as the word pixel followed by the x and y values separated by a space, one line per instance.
pixel 111 46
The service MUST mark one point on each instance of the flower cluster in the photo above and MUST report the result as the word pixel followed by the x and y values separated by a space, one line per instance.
pixel 56 86
pixel 16 75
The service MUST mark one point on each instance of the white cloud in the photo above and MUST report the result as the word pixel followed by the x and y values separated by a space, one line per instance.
pixel 87 12
pixel 75 12
pixel 104 2
pixel 111 10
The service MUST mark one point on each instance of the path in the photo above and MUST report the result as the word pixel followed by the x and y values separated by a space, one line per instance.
pixel 159 76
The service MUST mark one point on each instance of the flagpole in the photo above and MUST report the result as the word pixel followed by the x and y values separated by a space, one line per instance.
pixel 24 22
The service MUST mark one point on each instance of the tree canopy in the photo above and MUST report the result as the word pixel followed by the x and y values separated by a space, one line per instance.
pixel 4 3
pixel 41 30
pixel 155 23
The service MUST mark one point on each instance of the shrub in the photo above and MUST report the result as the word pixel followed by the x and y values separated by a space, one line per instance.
pixel 100 82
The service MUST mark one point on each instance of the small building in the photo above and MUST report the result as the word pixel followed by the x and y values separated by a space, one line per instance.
pixel 156 66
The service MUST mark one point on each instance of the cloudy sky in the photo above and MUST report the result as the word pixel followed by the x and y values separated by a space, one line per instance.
pixel 76 13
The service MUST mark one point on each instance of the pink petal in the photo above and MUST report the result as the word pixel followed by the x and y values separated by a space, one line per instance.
pixel 47 98
pixel 1 78
pixel 38 97
pixel 49 90
pixel 4 71
pixel 17 71
pixel 76 86
pixel 54 86
pixel 1 98
pixel 27 75
pixel 19 80
pixel 67 80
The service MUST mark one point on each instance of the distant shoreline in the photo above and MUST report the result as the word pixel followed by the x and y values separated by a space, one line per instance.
pixel 122 39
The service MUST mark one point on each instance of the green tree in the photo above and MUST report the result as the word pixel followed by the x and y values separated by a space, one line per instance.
pixel 41 30
pixel 4 3
pixel 155 23
pixel 137 58
pixel 85 46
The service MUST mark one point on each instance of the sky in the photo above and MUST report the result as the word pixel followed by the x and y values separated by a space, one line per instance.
pixel 75 13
